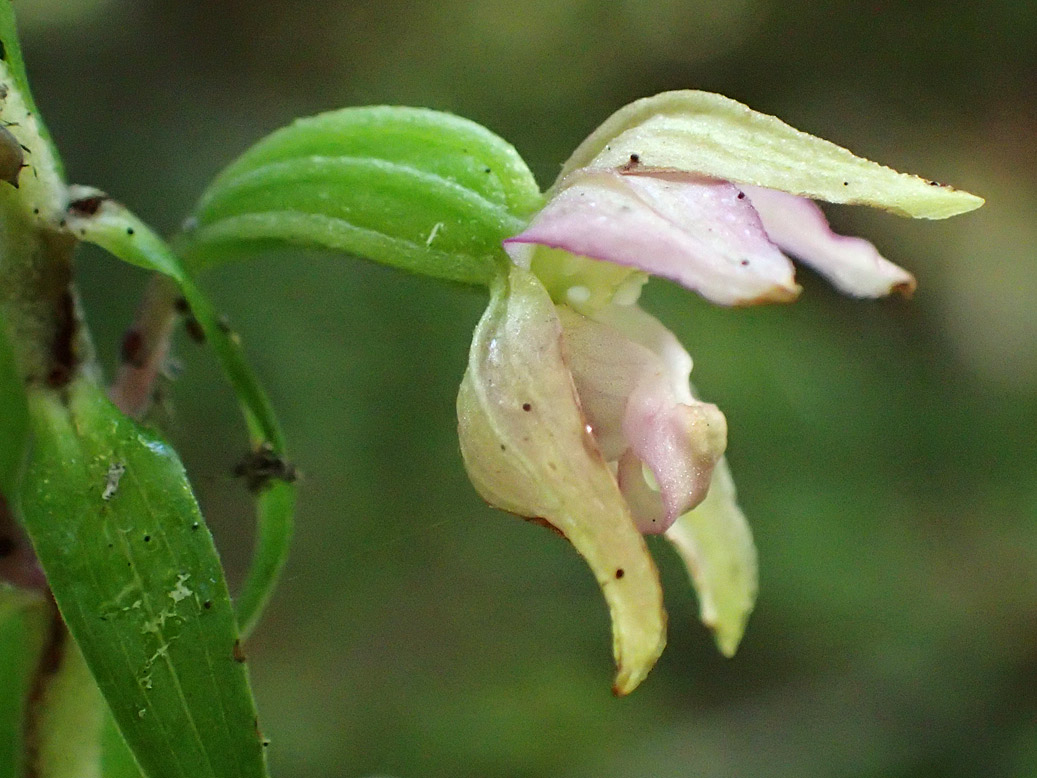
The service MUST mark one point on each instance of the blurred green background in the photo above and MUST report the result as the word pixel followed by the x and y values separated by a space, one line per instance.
pixel 884 451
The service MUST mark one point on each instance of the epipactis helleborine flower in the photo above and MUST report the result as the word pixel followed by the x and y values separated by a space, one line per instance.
pixel 576 409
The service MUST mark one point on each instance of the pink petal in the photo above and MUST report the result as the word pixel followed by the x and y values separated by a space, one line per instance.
pixel 853 265
pixel 697 231
pixel 639 408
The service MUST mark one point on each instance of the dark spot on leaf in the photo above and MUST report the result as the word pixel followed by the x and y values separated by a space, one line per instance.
pixel 129 230
pixel 207 604
pixel 503 447
pixel 846 183
pixel 745 263
pixel 238 653
pixel 87 206
pixel 527 407
pixel 620 573
pixel 181 306
pixel 147 538
pixel 741 195
pixel 195 526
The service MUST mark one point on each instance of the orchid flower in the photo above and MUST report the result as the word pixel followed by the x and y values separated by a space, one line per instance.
pixel 576 409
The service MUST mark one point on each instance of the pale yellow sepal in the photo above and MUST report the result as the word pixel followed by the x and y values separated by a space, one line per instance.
pixel 705 133
pixel 527 450
pixel 717 547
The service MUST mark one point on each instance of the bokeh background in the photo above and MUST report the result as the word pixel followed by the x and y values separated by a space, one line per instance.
pixel 885 451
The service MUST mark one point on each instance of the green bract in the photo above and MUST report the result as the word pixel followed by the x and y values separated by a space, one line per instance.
pixel 412 188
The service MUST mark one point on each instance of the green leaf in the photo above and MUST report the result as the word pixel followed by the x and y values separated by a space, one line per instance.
pixel 14 417
pixel 138 581
pixel 417 189
pixel 118 231
pixel 23 629
pixel 117 760
pixel 705 133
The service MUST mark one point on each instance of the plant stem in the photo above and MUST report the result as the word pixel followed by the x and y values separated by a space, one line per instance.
pixel 145 347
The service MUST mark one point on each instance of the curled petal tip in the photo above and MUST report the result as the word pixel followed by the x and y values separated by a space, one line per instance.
pixel 785 293
pixel 905 289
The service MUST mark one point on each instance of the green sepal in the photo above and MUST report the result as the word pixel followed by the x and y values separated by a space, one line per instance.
pixel 416 189
pixel 138 581
pixel 698 132
pixel 125 236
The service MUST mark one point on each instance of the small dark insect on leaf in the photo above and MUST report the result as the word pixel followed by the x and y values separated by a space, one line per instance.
pixel 262 466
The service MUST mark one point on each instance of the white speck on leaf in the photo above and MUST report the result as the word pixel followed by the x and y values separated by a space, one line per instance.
pixel 432 235
pixel 180 592
pixel 111 486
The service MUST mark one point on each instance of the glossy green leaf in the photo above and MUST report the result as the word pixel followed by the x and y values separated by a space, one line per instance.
pixel 118 231
pixel 14 418
pixel 139 584
pixel 420 190
pixel 705 133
